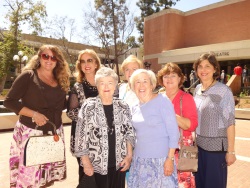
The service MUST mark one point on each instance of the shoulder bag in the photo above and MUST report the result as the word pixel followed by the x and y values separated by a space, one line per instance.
pixel 188 155
pixel 44 149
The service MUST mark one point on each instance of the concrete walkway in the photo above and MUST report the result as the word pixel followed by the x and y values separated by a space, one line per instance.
pixel 238 175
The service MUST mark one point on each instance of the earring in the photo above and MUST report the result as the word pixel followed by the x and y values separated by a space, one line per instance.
pixel 38 64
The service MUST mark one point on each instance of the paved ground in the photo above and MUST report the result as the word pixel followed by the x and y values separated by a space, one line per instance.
pixel 238 173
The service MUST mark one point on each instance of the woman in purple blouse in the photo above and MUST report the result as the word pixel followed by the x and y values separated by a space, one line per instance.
pixel 157 135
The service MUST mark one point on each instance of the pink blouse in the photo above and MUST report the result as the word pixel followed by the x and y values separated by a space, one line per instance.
pixel 188 110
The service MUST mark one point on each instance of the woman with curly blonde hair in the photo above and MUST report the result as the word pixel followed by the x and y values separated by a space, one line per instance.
pixel 37 95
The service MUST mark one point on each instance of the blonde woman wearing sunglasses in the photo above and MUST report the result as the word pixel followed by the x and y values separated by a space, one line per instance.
pixel 87 64
pixel 37 95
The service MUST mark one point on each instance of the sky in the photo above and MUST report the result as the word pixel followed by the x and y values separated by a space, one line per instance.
pixel 74 9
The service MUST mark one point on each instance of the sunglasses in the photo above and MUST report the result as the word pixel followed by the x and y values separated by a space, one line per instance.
pixel 88 61
pixel 47 57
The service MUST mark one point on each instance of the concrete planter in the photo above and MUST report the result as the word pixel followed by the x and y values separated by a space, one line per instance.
pixel 8 120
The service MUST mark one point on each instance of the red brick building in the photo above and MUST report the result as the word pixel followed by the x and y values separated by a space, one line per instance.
pixel 175 36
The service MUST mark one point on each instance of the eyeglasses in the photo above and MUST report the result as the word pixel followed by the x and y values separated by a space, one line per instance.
pixel 46 57
pixel 88 61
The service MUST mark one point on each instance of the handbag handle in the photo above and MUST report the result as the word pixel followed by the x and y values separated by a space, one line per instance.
pixel 56 137
pixel 181 131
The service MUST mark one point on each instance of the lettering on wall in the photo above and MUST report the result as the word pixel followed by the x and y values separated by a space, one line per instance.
pixel 218 54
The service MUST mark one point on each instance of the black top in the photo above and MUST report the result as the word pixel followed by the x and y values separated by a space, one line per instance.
pixel 77 96
pixel 108 109
pixel 89 90
pixel 31 92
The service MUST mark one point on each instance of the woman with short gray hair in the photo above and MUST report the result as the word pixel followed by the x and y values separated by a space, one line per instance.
pixel 157 135
pixel 105 72
pixel 104 135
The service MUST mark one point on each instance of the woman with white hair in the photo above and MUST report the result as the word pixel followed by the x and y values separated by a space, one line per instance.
pixel 157 135
pixel 104 134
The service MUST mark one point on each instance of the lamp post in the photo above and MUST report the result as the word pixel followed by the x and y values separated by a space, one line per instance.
pixel 21 59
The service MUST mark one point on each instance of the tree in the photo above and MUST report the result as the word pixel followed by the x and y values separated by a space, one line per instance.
pixel 149 7
pixel 20 12
pixel 112 26
pixel 63 28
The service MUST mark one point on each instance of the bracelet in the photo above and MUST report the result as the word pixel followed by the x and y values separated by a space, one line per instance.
pixel 171 158
pixel 33 117
pixel 231 152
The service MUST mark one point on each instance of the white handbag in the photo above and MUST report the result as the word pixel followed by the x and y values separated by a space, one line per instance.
pixel 44 149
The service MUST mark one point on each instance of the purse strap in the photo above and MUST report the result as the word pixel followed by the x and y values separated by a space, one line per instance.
pixel 55 135
pixel 181 131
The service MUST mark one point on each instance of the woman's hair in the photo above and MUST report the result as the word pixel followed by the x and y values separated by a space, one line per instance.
pixel 79 74
pixel 61 71
pixel 170 68
pixel 131 59
pixel 105 72
pixel 211 59
pixel 135 74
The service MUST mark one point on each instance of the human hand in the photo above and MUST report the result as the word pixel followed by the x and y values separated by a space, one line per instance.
pixel 168 167
pixel 39 119
pixel 125 164
pixel 230 159
pixel 88 169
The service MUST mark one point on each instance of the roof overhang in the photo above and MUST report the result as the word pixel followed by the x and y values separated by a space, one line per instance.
pixel 224 51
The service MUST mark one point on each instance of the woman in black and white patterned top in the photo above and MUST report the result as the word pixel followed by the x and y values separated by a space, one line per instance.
pixel 86 66
pixel 216 124
pixel 104 134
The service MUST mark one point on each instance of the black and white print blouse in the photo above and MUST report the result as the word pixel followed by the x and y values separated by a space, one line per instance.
pixel 92 133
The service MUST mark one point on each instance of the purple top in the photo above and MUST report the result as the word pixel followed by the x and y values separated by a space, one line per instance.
pixel 156 128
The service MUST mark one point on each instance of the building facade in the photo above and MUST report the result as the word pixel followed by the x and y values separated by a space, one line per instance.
pixel 181 37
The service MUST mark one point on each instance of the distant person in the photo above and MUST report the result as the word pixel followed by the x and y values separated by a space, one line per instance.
pixel 238 70
pixel 245 76
pixel 37 95
pixel 216 124
pixel 222 77
pixel 191 77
